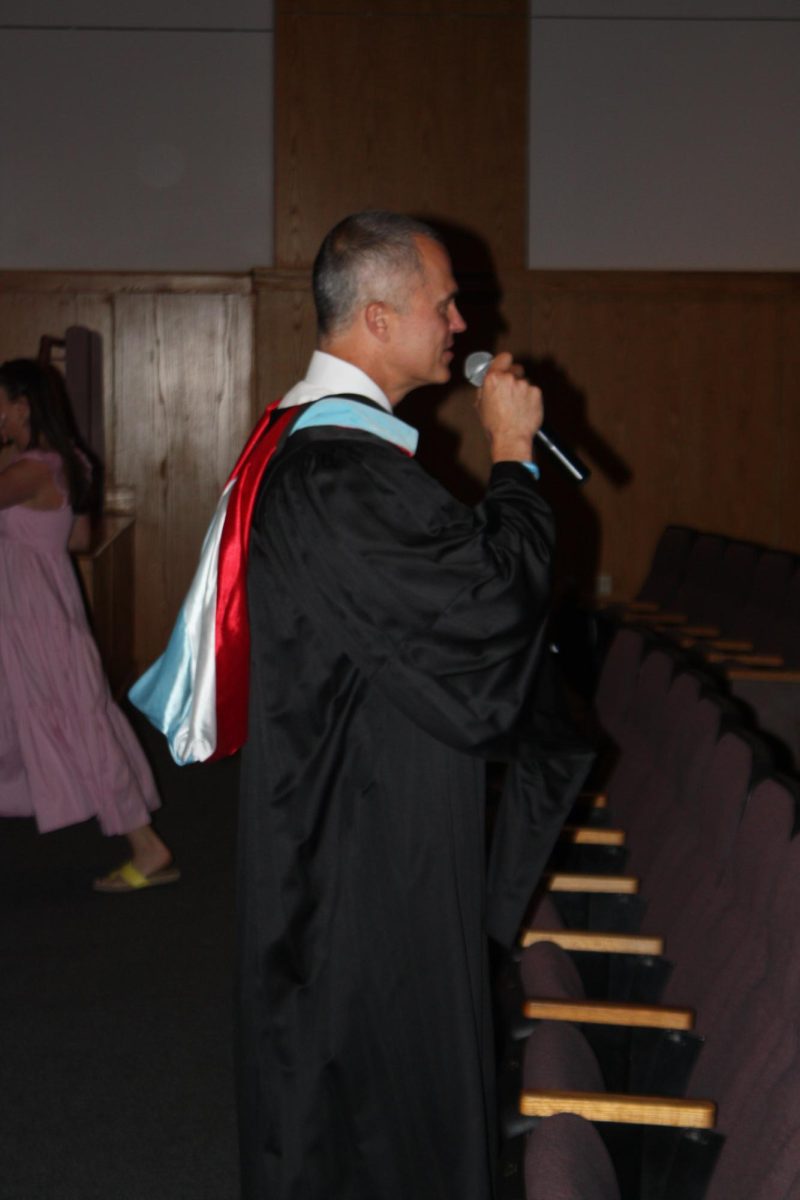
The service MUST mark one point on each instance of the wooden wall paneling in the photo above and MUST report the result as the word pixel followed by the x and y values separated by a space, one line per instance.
pixel 285 332
pixel 730 381
pixel 680 376
pixel 419 108
pixel 603 397
pixel 452 446
pixel 107 574
pixel 386 8
pixel 28 311
pixel 177 367
pixel 496 309
pixel 676 388
pixel 182 411
pixel 786 466
pixel 691 381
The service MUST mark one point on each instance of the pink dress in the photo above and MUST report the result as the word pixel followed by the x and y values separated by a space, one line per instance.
pixel 67 753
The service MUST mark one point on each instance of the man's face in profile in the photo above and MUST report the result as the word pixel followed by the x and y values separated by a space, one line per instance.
pixel 424 329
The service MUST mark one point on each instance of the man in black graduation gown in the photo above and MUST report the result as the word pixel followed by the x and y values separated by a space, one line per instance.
pixel 396 636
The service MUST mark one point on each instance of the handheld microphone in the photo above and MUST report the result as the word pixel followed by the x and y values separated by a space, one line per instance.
pixel 475 368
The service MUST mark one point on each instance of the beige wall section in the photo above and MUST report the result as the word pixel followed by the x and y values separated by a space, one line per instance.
pixel 178 357
pixel 419 107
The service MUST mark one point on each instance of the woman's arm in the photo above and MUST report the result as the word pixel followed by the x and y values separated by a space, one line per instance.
pixel 81 535
pixel 25 482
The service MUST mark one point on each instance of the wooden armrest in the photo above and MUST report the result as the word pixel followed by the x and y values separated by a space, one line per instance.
pixel 701 631
pixel 588 941
pixel 602 1012
pixel 80 538
pixel 746 660
pixel 588 835
pixel 564 881
pixel 595 800
pixel 626 1110
pixel 656 618
pixel 102 534
pixel 612 602
pixel 764 676
pixel 732 645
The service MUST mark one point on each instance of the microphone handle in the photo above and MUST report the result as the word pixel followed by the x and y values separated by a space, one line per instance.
pixel 569 462
pixel 475 369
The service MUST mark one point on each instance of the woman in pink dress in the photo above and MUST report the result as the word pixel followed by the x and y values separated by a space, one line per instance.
pixel 67 752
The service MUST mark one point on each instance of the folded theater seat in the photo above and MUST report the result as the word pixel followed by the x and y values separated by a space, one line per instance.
pixel 689 604
pixel 751 627
pixel 560 1075
pixel 678 807
pixel 749 998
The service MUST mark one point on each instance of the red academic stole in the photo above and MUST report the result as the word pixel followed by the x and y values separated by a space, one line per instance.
pixel 232 624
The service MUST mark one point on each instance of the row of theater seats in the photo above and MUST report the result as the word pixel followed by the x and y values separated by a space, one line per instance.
pixel 652 1012
pixel 734 600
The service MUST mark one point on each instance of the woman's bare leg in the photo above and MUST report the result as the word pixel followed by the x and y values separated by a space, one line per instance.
pixel 148 852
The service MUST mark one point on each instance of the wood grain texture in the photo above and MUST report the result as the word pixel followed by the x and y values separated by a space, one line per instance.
pixel 415 107
pixel 85 283
pixel 595 942
pixel 285 332
pixel 786 468
pixel 625 1110
pixel 766 676
pixel 106 570
pixel 601 1012
pixel 30 306
pixel 615 885
pixel 590 835
pixel 375 9
pixel 177 371
pixel 678 389
pixel 182 411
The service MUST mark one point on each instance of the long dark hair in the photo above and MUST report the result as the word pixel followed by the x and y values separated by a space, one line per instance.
pixel 51 421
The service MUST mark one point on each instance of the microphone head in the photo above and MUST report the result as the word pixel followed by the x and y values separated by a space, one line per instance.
pixel 476 366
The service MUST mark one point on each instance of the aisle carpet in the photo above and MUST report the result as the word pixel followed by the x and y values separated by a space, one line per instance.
pixel 115 1011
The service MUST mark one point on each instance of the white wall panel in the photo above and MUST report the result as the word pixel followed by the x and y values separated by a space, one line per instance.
pixel 653 10
pixel 139 14
pixel 140 151
pixel 664 144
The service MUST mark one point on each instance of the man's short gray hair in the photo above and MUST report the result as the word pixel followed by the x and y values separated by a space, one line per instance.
pixel 367 256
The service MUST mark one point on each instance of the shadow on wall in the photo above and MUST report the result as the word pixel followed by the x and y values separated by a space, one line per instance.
pixel 480 301
pixel 78 355
pixel 579 531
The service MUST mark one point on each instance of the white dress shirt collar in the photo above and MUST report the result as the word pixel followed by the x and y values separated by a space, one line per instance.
pixel 328 375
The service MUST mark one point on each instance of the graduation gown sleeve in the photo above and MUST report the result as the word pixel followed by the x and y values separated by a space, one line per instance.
pixel 441 606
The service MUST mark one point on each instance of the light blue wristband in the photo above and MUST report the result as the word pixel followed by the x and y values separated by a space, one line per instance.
pixel 533 468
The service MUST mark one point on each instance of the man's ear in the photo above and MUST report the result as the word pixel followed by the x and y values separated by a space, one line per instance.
pixel 376 319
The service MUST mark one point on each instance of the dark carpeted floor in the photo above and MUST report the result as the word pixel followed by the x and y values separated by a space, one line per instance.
pixel 116 1011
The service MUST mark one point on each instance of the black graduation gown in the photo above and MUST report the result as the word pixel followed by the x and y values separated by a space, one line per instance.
pixel 395 641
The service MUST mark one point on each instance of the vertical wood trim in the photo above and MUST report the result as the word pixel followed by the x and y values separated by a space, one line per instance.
pixel 420 108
